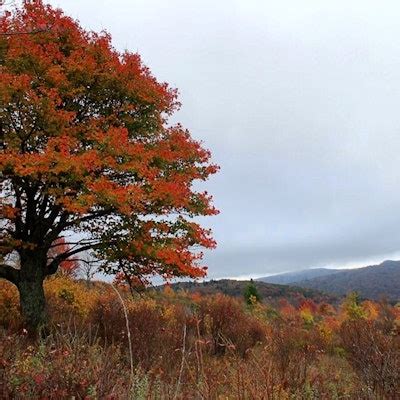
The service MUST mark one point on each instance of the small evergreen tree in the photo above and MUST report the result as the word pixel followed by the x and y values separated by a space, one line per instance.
pixel 251 294
pixel 353 307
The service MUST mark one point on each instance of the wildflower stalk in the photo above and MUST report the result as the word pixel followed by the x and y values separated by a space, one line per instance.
pixel 128 331
pixel 182 362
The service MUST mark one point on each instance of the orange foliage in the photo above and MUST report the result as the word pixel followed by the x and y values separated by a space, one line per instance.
pixel 87 148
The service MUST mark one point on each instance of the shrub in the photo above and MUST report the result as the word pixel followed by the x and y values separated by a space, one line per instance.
pixel 9 306
pixel 374 355
pixel 224 320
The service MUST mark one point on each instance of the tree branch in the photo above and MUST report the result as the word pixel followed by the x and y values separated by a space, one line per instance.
pixel 54 264
pixel 89 217
pixel 9 273
pixel 33 32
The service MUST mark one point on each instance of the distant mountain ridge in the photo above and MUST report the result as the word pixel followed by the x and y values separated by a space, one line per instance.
pixel 373 282
pixel 297 276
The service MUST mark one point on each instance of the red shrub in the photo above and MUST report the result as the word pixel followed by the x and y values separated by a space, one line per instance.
pixel 224 320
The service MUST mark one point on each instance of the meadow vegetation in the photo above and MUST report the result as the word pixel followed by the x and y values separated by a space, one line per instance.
pixel 180 345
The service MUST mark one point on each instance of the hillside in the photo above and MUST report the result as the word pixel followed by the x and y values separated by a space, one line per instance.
pixel 297 276
pixel 373 282
pixel 270 293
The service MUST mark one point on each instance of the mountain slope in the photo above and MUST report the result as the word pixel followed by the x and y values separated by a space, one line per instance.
pixel 270 293
pixel 298 276
pixel 373 282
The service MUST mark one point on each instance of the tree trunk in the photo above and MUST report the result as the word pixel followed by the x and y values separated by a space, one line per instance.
pixel 33 304
pixel 31 292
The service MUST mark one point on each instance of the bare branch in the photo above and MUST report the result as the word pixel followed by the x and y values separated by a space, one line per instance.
pixel 53 265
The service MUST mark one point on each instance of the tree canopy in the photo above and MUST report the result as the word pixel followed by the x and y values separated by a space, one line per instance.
pixel 87 153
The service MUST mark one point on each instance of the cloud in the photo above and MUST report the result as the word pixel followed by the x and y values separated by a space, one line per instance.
pixel 298 100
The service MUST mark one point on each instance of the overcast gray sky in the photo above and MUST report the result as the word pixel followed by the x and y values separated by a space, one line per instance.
pixel 299 103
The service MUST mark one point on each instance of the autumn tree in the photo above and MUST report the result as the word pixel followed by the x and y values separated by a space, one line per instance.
pixel 88 267
pixel 86 149
pixel 67 267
